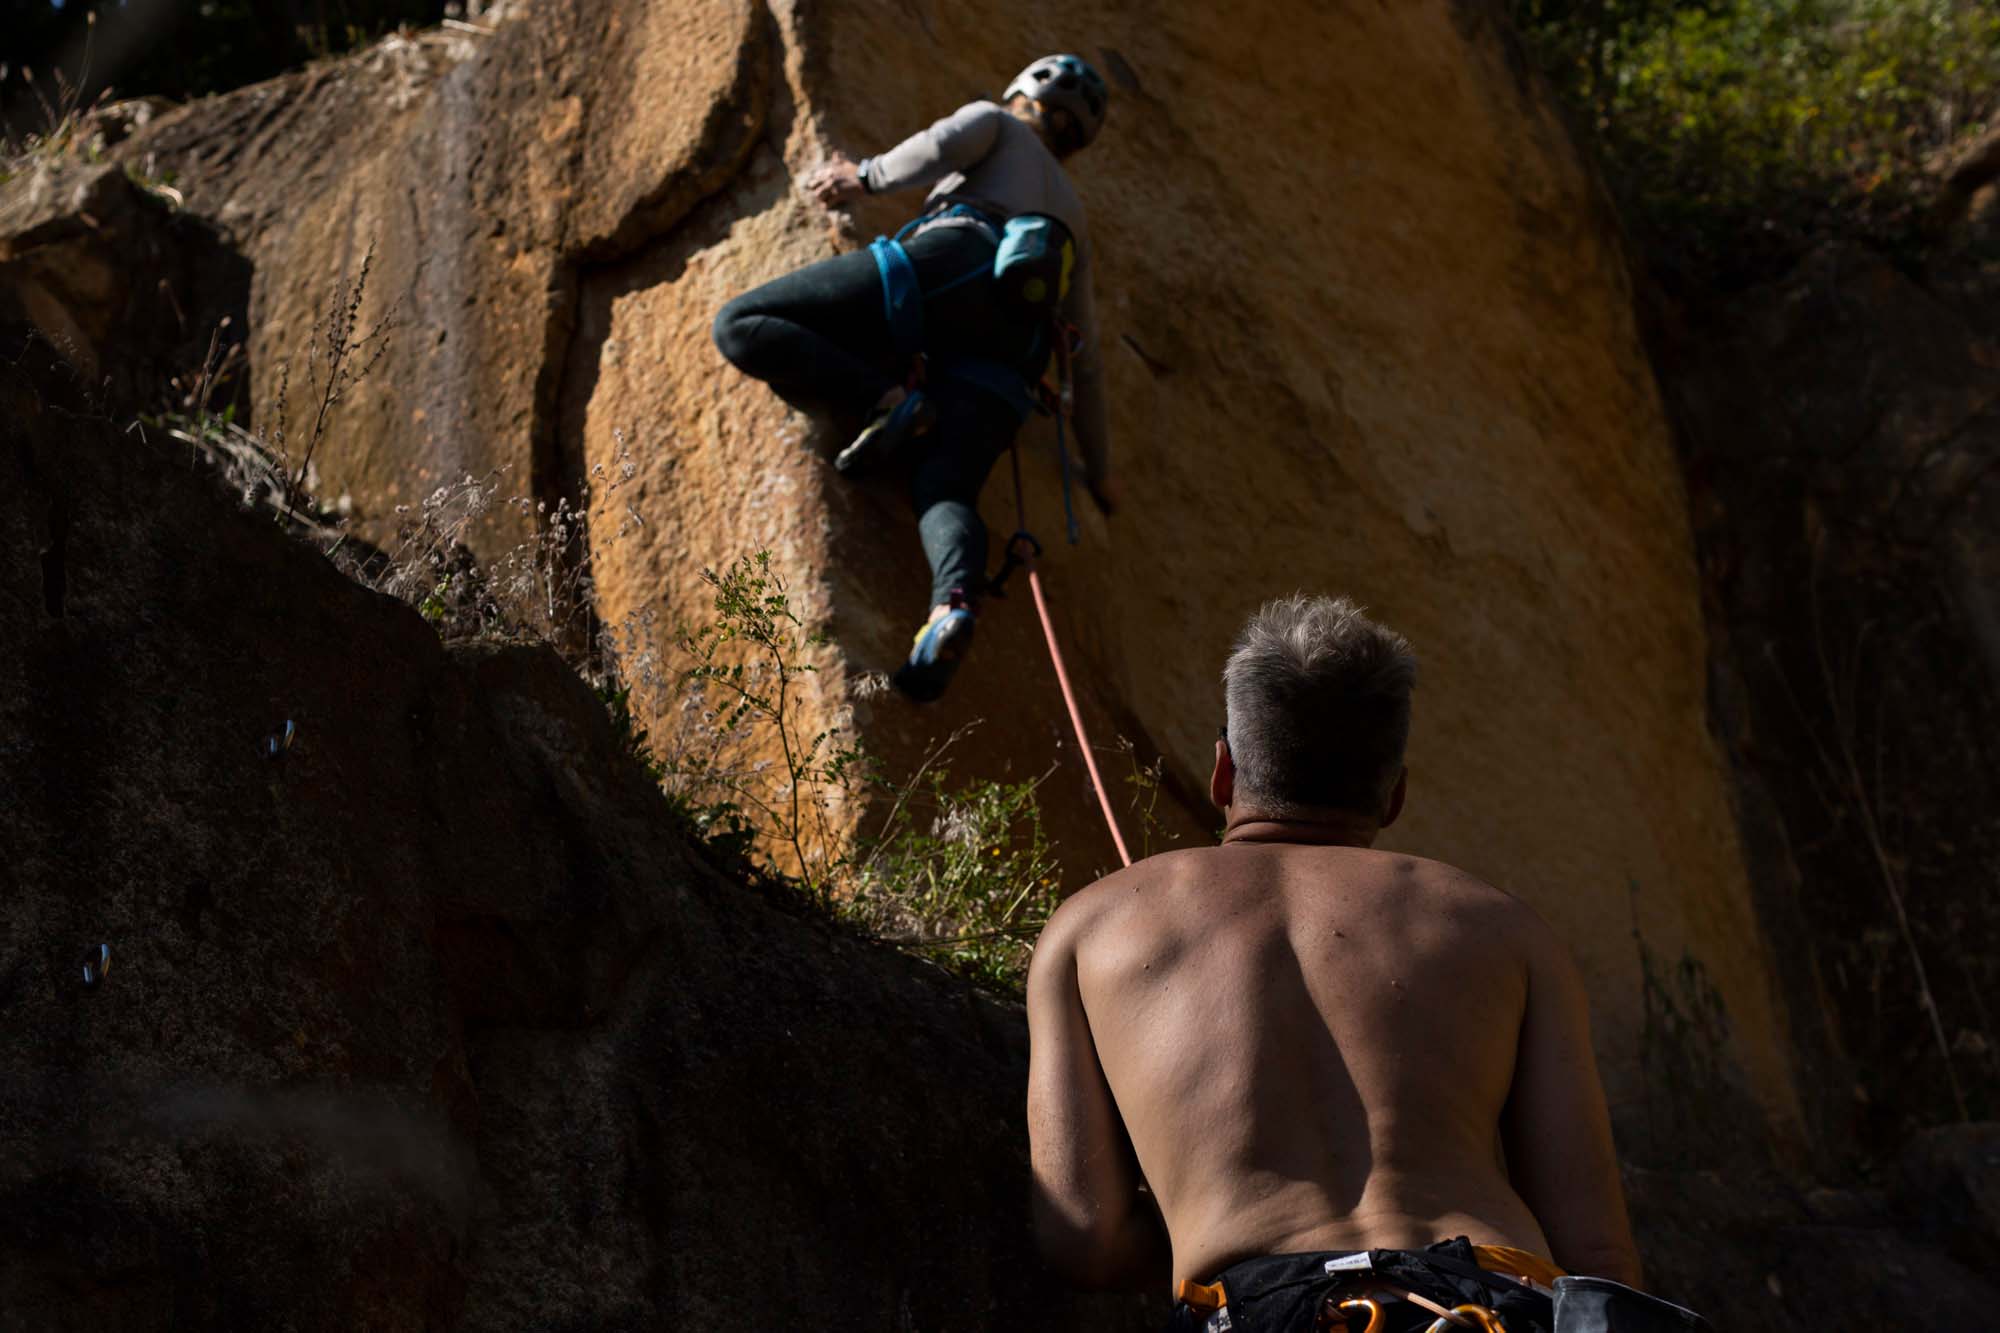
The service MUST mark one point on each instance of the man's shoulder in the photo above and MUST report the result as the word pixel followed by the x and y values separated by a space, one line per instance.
pixel 1115 891
pixel 1468 891
pixel 1089 911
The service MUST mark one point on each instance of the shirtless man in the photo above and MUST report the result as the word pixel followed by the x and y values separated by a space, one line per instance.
pixel 1294 1045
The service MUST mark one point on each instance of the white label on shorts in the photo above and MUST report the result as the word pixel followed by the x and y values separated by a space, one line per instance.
pixel 1218 1322
pixel 1351 1263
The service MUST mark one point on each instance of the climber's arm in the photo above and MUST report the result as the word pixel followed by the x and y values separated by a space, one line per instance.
pixel 1093 1220
pixel 928 156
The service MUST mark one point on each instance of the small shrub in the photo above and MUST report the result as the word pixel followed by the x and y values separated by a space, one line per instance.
pixel 751 659
pixel 1693 1105
pixel 201 413
pixel 960 872
pixel 964 874
pixel 1145 781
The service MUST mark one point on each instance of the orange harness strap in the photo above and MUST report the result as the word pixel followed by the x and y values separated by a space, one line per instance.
pixel 1523 1264
pixel 1200 1296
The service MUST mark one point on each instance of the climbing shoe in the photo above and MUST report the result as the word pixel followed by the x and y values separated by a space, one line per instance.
pixel 940 646
pixel 885 435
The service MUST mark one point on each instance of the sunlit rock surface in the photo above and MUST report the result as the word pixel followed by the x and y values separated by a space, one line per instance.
pixel 1366 327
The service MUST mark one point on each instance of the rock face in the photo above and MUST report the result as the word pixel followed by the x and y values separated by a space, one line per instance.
pixel 132 292
pixel 429 1018
pixel 1841 431
pixel 1368 330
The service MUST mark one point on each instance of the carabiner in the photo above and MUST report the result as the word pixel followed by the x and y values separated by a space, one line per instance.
pixel 1361 1305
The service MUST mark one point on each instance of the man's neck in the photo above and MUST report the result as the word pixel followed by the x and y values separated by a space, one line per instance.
pixel 1317 828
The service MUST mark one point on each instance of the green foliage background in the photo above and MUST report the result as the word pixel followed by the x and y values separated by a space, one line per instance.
pixel 1735 131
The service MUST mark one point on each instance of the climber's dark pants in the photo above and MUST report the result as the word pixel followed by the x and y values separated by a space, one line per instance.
pixel 821 338
pixel 972 431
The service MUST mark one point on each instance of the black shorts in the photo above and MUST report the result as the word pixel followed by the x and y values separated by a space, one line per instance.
pixel 1284 1294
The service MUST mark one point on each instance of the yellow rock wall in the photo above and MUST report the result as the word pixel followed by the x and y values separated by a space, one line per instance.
pixel 1367 330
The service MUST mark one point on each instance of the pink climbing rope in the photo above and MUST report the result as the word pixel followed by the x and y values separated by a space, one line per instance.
pixel 1054 405
pixel 1075 713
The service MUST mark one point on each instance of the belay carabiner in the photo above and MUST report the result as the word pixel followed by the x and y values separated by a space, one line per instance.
pixel 1014 559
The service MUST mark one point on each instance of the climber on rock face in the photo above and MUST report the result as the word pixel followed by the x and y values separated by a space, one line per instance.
pixel 1253 1064
pixel 838 335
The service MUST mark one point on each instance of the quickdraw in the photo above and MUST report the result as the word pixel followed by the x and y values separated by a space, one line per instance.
pixel 1022 551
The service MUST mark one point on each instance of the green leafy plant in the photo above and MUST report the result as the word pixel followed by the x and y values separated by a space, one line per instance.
pixel 960 872
pixel 752 657
pixel 436 604
pixel 1144 781
pixel 964 874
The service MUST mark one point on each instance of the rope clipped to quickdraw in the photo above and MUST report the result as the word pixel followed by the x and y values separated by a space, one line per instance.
pixel 1022 552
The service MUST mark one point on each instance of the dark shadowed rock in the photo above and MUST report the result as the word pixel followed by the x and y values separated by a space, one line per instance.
pixel 1753 1249
pixel 133 288
pixel 431 1018
pixel 1948 1180
pixel 1841 433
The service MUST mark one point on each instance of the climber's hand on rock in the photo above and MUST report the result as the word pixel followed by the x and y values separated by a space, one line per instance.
pixel 835 182
pixel 1104 490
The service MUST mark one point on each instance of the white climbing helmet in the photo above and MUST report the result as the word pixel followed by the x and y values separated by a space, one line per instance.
pixel 1070 83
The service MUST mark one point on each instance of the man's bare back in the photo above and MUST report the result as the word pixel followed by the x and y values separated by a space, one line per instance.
pixel 1315 1047
pixel 1293 1044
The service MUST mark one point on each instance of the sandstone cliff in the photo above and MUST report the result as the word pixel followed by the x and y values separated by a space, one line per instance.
pixel 1368 330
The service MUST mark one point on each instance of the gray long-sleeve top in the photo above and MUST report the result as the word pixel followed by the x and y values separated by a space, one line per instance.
pixel 984 156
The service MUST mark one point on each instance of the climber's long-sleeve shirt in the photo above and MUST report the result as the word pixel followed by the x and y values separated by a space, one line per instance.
pixel 983 156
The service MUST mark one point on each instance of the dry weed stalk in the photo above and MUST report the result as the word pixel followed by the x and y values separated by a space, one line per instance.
pixel 60 116
pixel 339 355
pixel 1845 785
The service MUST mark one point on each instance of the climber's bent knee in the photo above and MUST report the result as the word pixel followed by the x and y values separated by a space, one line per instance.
pixel 734 332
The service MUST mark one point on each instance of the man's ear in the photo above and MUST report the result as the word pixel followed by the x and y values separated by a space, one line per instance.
pixel 1222 782
pixel 1396 798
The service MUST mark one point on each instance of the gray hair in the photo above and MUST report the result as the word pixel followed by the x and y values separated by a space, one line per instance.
pixel 1318 700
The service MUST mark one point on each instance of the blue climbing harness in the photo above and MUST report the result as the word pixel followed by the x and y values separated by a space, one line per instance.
pixel 903 300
